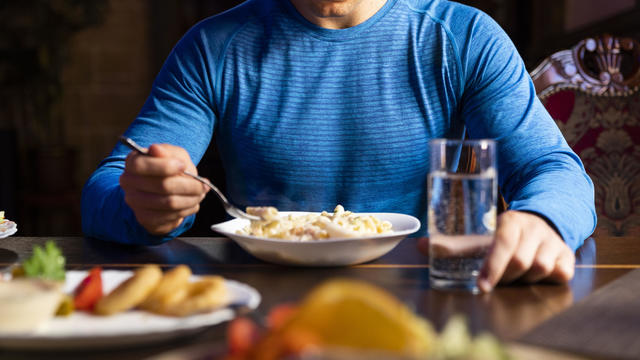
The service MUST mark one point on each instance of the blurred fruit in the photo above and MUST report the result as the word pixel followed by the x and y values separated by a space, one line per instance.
pixel 456 342
pixel 348 319
pixel 279 315
pixel 349 313
pixel 242 334
pixel 455 338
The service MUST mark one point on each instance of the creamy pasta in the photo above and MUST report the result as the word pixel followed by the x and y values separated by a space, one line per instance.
pixel 339 224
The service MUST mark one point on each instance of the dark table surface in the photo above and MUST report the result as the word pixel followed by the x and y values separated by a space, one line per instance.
pixel 509 312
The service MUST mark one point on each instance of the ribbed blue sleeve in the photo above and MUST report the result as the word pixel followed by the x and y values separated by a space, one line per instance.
pixel 179 111
pixel 538 172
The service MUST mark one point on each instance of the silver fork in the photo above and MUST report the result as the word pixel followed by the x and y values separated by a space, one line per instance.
pixel 228 207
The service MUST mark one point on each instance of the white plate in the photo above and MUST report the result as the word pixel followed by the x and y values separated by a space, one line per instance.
pixel 83 330
pixel 7 228
pixel 331 252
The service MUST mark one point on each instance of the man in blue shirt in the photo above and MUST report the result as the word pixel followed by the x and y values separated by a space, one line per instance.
pixel 318 102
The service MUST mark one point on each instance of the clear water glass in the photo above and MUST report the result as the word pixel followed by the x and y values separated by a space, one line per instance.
pixel 462 210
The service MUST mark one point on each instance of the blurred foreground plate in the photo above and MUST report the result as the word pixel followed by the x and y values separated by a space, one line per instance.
pixel 84 330
pixel 329 252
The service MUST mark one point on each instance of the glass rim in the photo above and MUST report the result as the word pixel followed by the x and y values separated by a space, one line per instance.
pixel 445 141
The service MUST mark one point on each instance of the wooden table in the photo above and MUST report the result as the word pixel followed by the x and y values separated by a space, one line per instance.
pixel 509 311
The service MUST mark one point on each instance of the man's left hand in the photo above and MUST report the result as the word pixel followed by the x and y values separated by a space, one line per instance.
pixel 526 248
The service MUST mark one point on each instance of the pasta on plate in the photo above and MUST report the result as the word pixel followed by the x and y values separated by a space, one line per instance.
pixel 315 226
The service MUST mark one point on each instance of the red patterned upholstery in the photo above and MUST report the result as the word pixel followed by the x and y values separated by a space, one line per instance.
pixel 605 133
pixel 592 91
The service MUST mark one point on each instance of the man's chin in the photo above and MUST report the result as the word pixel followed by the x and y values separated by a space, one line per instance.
pixel 332 8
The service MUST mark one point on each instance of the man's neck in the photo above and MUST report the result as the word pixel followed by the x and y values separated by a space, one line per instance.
pixel 337 14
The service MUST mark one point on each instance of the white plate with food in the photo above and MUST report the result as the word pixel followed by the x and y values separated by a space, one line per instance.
pixel 333 242
pixel 134 327
pixel 7 227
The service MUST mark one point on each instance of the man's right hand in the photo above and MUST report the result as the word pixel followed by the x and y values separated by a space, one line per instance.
pixel 157 191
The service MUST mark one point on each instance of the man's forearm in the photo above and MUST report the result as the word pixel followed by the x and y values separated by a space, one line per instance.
pixel 106 216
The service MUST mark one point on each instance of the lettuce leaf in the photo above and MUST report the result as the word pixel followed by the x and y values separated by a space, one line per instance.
pixel 45 263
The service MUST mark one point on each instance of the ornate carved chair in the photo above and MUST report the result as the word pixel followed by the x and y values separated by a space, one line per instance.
pixel 593 93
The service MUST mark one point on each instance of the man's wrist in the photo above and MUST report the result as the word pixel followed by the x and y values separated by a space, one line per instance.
pixel 545 219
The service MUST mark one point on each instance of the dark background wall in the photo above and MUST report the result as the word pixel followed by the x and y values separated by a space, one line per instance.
pixel 106 67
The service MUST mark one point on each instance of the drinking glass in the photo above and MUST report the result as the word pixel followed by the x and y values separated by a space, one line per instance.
pixel 462 210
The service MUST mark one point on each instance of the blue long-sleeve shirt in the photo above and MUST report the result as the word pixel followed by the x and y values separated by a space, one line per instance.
pixel 306 117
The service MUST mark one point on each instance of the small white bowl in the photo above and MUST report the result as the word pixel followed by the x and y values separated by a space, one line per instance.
pixel 26 304
pixel 330 252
